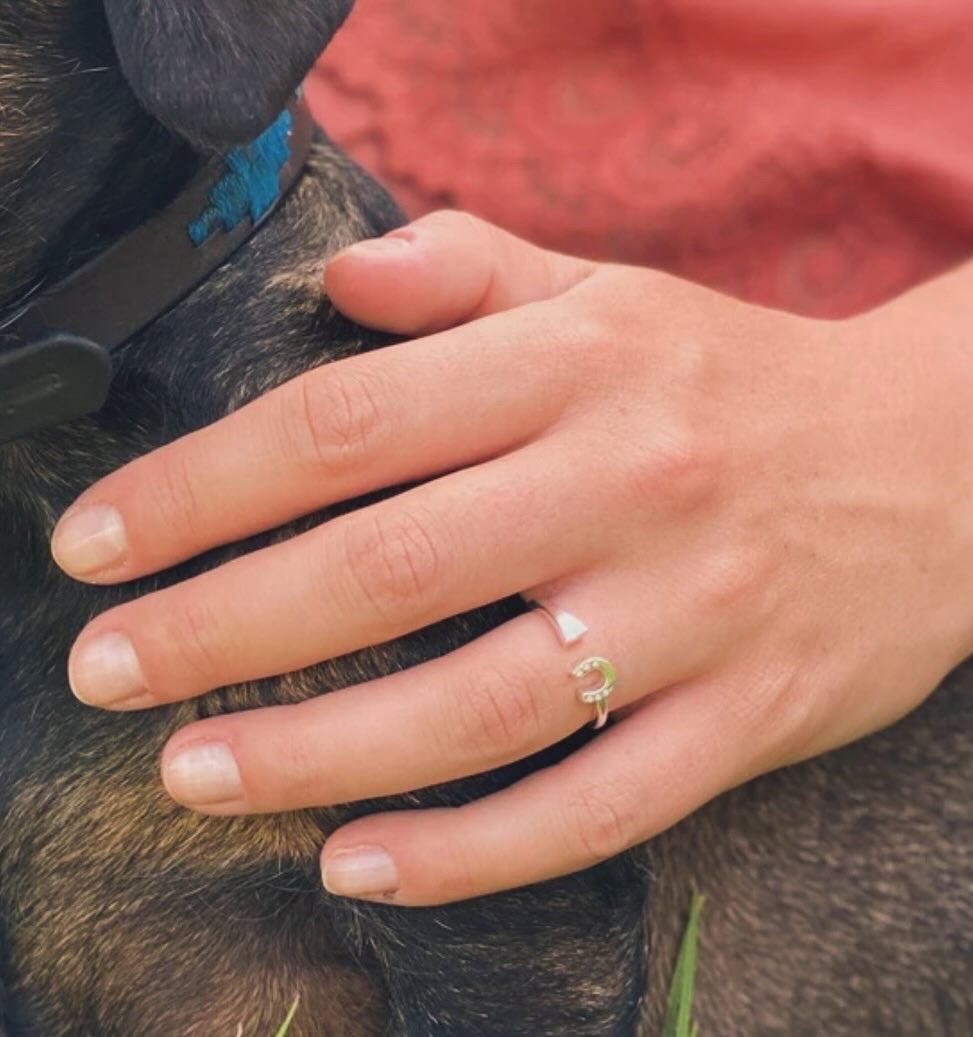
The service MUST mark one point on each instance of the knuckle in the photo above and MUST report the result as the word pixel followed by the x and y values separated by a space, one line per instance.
pixel 682 471
pixel 565 347
pixel 604 821
pixel 798 709
pixel 775 703
pixel 197 637
pixel 332 418
pixel 749 704
pixel 736 579
pixel 297 778
pixel 583 342
pixel 461 870
pixel 178 501
pixel 500 715
pixel 394 561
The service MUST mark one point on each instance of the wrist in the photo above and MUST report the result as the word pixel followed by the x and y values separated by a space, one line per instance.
pixel 919 348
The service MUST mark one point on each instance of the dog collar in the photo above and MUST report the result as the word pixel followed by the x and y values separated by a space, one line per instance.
pixel 56 350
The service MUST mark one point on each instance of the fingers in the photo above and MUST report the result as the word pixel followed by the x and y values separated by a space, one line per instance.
pixel 672 754
pixel 332 434
pixel 443 270
pixel 362 579
pixel 499 699
pixel 355 426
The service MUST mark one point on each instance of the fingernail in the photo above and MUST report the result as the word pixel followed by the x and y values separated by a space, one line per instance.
pixel 88 540
pixel 106 672
pixel 380 246
pixel 365 872
pixel 203 775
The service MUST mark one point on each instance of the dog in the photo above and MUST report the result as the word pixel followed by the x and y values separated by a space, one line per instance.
pixel 839 892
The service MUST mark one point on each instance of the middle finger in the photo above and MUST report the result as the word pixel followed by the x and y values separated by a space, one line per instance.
pixel 440 549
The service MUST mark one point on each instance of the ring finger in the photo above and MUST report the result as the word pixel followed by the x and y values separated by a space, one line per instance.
pixel 498 699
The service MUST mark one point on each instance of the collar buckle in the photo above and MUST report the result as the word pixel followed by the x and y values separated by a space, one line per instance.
pixel 49 377
pixel 55 378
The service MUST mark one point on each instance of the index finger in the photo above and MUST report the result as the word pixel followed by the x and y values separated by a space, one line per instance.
pixel 380 419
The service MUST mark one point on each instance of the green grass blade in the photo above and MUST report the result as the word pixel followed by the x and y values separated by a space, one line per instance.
pixel 286 1025
pixel 679 1008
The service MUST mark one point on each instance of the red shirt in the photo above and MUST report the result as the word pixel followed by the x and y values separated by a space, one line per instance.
pixel 811 154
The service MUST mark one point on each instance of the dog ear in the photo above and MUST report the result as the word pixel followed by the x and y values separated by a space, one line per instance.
pixel 219 71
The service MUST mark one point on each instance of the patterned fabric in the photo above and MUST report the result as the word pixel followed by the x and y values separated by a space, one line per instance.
pixel 811 154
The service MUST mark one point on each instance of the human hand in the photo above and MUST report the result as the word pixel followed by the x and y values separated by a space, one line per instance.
pixel 765 522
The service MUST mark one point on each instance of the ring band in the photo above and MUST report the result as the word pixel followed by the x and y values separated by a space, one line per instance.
pixel 570 630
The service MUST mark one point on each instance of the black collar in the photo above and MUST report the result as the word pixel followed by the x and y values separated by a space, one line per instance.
pixel 55 351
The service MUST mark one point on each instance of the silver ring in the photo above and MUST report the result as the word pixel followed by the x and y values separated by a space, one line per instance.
pixel 570 630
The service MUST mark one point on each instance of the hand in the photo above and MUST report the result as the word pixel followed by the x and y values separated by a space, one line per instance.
pixel 766 523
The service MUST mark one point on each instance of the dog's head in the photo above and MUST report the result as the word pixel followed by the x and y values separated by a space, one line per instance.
pixel 215 71
pixel 88 85
pixel 218 71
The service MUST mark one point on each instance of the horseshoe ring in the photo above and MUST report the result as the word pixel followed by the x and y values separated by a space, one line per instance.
pixel 570 630
pixel 596 696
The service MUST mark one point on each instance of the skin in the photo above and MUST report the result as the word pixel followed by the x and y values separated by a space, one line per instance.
pixel 765 521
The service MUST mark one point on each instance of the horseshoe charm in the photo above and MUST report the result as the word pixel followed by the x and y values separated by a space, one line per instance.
pixel 596 696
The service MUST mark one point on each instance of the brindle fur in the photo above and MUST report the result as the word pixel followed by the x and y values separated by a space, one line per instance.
pixel 838 892
pixel 121 913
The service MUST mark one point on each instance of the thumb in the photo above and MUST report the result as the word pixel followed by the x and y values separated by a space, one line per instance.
pixel 443 270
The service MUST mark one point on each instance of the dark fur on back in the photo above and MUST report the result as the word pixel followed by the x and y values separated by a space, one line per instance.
pixel 839 892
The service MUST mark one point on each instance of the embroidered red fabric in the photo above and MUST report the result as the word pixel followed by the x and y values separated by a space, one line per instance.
pixel 814 154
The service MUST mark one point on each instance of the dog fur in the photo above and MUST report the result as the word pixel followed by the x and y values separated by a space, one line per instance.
pixel 123 914
pixel 839 892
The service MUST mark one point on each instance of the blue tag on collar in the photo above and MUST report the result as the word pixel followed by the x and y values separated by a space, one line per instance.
pixel 250 186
